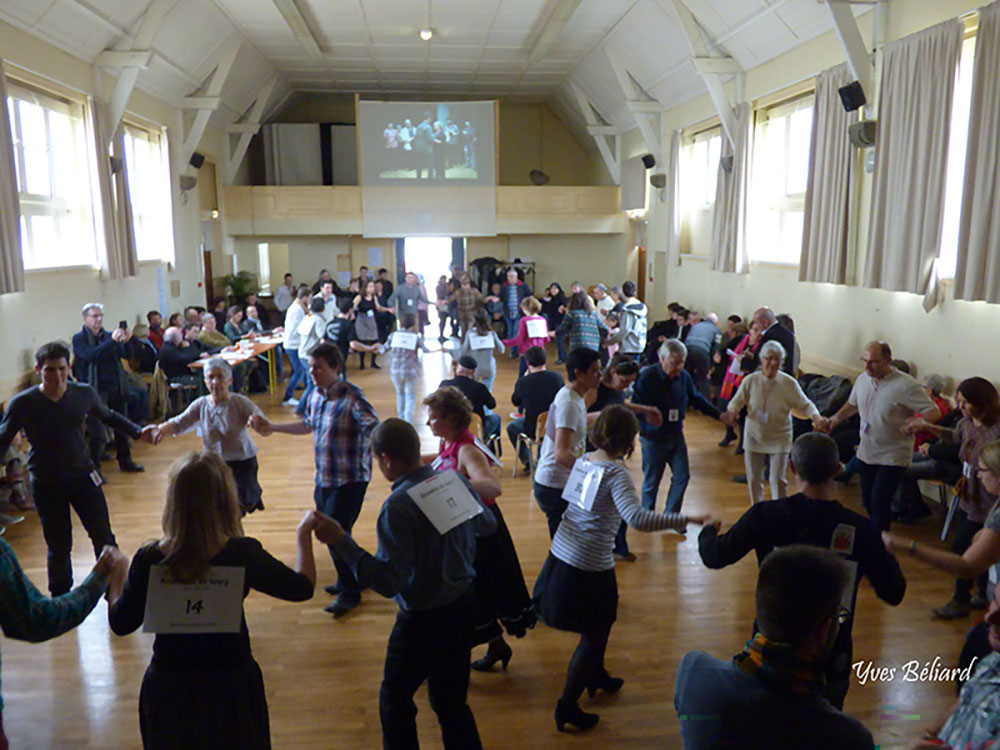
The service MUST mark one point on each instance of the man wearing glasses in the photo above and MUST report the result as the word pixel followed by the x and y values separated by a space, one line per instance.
pixel 812 517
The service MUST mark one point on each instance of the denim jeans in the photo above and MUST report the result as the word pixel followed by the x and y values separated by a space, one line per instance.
pixel 656 454
pixel 511 322
pixel 343 504
pixel 879 483
pixel 488 382
pixel 561 347
pixel 550 500
pixel 300 372
pixel 406 398
pixel 491 424
pixel 514 428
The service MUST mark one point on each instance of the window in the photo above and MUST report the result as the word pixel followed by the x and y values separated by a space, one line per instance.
pixel 53 179
pixel 699 171
pixel 264 266
pixel 955 170
pixel 149 191
pixel 779 173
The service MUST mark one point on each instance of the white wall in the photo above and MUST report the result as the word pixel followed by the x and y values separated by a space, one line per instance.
pixel 833 322
pixel 49 308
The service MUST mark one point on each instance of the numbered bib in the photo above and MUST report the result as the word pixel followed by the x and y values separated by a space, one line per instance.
pixel 537 329
pixel 584 480
pixel 213 604
pixel 445 500
pixel 478 343
pixel 404 340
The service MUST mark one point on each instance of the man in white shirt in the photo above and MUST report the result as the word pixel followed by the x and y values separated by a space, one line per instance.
pixel 296 312
pixel 284 295
pixel 602 300
pixel 330 310
pixel 885 398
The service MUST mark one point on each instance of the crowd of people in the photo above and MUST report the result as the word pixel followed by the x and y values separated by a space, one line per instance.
pixel 430 147
pixel 456 576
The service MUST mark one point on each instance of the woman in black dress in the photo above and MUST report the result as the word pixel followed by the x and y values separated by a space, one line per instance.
pixel 205 690
pixel 366 309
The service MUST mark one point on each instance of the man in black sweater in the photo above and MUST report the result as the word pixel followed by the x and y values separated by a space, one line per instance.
pixel 477 393
pixel 534 393
pixel 178 351
pixel 811 517
pixel 61 472
pixel 771 330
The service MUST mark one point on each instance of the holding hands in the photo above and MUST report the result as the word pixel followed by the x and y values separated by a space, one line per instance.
pixel 729 418
pixel 151 434
pixel 113 565
pixel 261 424
pixel 326 529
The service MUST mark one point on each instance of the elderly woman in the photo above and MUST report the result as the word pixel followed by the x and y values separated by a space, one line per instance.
pixel 500 588
pixel 770 396
pixel 979 403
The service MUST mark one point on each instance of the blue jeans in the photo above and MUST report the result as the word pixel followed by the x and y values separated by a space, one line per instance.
pixel 488 382
pixel 550 500
pixel 406 398
pixel 656 454
pixel 299 373
pixel 491 424
pixel 343 504
pixel 514 428
pixel 561 347
pixel 511 322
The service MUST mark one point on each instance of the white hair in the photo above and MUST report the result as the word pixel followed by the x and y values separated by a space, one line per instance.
pixel 173 335
pixel 219 364
pixel 91 306
pixel 773 347
pixel 672 347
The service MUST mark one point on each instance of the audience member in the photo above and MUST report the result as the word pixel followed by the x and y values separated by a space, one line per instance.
pixel 432 637
pixel 771 694
pixel 177 354
pixel 97 361
pixel 60 469
pixel 155 321
pixel 206 689
pixel 234 328
pixel 324 277
pixel 387 286
pixel 534 393
pixel 478 394
pixel 565 434
pixel 210 336
pixel 341 421
pixel 813 517
pixel 885 399
pixel 220 309
pixel 284 295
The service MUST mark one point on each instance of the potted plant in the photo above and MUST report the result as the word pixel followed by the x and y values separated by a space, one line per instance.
pixel 239 285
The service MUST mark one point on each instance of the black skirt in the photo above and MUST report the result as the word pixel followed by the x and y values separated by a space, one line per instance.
pixel 500 586
pixel 221 708
pixel 248 489
pixel 581 601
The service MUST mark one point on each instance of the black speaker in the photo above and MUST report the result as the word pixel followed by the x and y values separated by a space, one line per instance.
pixel 197 160
pixel 852 96
pixel 648 161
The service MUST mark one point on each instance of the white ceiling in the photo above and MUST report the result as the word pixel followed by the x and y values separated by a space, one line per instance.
pixel 480 48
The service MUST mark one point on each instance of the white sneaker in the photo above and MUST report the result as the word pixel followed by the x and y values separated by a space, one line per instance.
pixel 290 402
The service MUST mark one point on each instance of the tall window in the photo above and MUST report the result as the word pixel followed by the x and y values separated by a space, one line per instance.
pixel 955 171
pixel 780 167
pixel 699 171
pixel 53 179
pixel 149 190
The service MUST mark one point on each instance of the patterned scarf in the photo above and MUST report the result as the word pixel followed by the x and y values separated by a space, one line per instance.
pixel 781 666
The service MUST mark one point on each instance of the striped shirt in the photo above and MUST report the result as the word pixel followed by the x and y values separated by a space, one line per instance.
pixel 586 539
pixel 342 421
pixel 28 615
pixel 583 330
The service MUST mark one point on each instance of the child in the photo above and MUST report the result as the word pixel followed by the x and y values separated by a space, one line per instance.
pixel 523 341
pixel 475 344
pixel 405 367
pixel 221 418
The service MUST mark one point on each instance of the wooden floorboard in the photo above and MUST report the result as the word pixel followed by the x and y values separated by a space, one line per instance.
pixel 322 676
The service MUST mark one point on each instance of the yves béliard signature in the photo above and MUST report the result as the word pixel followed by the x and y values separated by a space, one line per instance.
pixel 912 671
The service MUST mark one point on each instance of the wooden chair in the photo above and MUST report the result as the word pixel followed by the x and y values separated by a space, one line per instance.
pixel 479 428
pixel 952 507
pixel 531 443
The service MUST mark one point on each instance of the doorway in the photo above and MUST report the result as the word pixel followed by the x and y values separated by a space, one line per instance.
pixel 430 258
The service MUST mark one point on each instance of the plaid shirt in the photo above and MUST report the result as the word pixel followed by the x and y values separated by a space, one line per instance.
pixel 28 615
pixel 342 426
pixel 405 364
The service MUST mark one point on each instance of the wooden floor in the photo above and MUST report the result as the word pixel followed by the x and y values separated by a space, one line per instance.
pixel 322 676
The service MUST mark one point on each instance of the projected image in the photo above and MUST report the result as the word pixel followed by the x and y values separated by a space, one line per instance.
pixel 430 145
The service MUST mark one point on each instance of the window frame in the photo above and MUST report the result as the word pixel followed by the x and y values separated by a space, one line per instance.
pixel 135 129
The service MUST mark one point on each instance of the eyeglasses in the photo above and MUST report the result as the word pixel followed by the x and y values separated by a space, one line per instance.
pixel 843 615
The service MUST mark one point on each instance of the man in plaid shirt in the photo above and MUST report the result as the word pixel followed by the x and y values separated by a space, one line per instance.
pixel 341 421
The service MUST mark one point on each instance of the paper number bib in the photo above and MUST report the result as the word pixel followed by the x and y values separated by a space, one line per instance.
pixel 537 329
pixel 445 501
pixel 404 340
pixel 479 343
pixel 212 604
pixel 581 487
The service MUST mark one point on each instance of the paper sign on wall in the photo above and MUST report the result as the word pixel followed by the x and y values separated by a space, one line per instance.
pixel 445 501
pixel 212 604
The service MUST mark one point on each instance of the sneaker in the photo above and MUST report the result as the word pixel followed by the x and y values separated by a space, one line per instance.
pixel 290 402
pixel 953 610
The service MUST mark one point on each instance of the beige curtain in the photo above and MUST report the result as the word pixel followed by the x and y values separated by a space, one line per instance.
pixel 11 262
pixel 977 276
pixel 911 154
pixel 729 251
pixel 824 232
pixel 119 257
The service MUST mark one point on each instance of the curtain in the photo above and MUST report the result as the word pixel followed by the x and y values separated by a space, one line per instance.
pixel 911 150
pixel 977 276
pixel 729 251
pixel 119 258
pixel 11 262
pixel 672 200
pixel 824 232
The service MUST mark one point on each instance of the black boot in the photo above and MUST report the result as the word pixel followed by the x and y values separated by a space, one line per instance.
pixel 571 713
pixel 498 651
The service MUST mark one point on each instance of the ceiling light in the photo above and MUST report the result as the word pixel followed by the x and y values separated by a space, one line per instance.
pixel 426 34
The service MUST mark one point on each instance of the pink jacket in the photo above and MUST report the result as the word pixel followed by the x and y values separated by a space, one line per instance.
pixel 521 341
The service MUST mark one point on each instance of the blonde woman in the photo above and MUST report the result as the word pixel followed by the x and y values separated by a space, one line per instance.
pixel 205 690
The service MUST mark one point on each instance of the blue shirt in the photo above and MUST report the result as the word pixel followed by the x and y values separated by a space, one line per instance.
pixel 671 395
pixel 416 566
pixel 703 337
pixel 513 302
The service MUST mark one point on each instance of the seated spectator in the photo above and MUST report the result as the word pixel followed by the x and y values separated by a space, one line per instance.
pixel 263 314
pixel 191 314
pixel 176 354
pixel 534 393
pixel 252 322
pixel 219 310
pixel 155 321
pixel 175 320
pixel 234 328
pixel 210 336
pixel 813 517
pixel 144 351
pixel 477 393
pixel 771 695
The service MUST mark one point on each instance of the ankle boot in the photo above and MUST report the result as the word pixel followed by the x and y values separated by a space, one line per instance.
pixel 498 651
pixel 605 682
pixel 571 713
